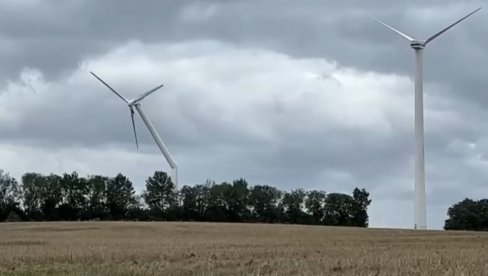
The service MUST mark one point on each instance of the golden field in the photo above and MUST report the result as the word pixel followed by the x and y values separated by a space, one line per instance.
pixel 163 248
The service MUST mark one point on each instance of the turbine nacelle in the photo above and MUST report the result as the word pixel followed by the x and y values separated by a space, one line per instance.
pixel 132 102
pixel 417 44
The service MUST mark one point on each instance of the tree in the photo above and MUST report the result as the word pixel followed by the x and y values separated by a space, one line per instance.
pixel 315 203
pixel 74 192
pixel 360 207
pixel 42 195
pixel 483 211
pixel 97 197
pixel 71 197
pixel 120 196
pixel 32 197
pixel 202 200
pixel 10 196
pixel 237 198
pixel 218 204
pixel 292 207
pixel 51 195
pixel 189 203
pixel 339 210
pixel 263 201
pixel 160 195
pixel 194 202
pixel 467 215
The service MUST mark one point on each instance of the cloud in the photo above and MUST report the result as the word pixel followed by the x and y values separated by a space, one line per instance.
pixel 303 94
pixel 225 112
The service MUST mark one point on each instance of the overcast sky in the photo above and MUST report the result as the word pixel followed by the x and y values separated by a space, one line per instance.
pixel 293 94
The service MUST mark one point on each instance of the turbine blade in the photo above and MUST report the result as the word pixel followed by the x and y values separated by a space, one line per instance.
pixel 113 90
pixel 134 126
pixel 450 26
pixel 145 94
pixel 393 29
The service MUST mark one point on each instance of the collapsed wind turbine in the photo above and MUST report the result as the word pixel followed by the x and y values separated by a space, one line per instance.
pixel 135 103
pixel 420 212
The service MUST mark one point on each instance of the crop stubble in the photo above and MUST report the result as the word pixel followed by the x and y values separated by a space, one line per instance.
pixel 164 248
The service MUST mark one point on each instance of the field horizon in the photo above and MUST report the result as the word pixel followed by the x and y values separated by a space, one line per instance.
pixel 207 248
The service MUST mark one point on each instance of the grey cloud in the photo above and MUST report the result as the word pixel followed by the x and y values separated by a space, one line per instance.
pixel 287 147
pixel 69 32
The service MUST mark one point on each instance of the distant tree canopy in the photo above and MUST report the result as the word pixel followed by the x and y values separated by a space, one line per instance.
pixel 468 215
pixel 71 197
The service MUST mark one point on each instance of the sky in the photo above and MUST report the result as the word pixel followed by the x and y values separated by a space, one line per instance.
pixel 292 94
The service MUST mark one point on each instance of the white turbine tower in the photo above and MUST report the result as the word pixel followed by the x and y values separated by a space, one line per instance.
pixel 135 103
pixel 420 212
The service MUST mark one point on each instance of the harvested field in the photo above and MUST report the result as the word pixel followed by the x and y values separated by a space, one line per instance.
pixel 161 248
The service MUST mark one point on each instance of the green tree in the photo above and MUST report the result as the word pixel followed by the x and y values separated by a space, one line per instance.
pixel 315 204
pixel 467 215
pixel 202 193
pixel 339 210
pixel 97 197
pixel 31 185
pixel 120 196
pixel 360 207
pixel 264 203
pixel 71 197
pixel 74 192
pixel 195 201
pixel 42 195
pixel 292 206
pixel 51 194
pixel 10 196
pixel 237 197
pixel 483 210
pixel 218 205
pixel 189 203
pixel 160 195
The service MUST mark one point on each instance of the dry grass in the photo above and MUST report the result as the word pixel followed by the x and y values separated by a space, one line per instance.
pixel 147 248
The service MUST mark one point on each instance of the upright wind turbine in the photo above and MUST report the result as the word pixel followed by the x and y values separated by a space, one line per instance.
pixel 135 103
pixel 420 212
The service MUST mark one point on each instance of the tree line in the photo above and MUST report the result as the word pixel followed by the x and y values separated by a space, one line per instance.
pixel 70 197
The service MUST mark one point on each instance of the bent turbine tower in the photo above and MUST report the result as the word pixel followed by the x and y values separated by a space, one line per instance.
pixel 136 103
